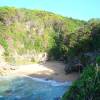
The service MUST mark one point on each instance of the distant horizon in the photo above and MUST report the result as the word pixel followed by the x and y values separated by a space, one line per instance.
pixel 81 10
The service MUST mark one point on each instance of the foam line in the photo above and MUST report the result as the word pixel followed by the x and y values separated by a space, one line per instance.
pixel 44 80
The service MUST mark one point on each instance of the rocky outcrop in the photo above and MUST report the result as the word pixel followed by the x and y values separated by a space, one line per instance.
pixel 75 68
pixel 77 64
pixel 74 65
pixel 7 69
pixel 30 57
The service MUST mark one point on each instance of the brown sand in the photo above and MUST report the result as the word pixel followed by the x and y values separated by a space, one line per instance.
pixel 50 70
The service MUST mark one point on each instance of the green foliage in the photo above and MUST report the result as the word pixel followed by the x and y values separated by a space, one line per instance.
pixel 96 36
pixel 87 87
pixel 34 30
pixel 98 60
pixel 4 43
pixel 28 31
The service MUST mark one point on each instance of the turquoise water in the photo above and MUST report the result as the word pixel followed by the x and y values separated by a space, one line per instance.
pixel 27 88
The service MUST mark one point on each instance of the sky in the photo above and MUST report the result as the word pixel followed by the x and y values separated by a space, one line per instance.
pixel 78 9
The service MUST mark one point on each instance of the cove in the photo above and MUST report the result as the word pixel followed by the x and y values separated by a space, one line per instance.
pixel 29 88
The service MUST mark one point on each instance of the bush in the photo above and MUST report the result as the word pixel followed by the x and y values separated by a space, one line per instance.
pixel 4 43
pixel 98 60
pixel 87 87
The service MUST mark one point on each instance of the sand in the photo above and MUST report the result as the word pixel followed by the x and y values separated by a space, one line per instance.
pixel 51 70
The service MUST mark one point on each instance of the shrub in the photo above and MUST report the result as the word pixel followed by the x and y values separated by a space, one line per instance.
pixel 87 87
pixel 98 60
pixel 3 42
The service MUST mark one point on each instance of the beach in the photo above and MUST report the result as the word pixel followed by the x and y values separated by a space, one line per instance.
pixel 51 70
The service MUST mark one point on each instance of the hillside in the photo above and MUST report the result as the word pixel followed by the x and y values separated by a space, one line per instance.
pixel 28 32
pixel 34 36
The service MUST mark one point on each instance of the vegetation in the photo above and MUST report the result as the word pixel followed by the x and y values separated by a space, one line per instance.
pixel 29 32
pixel 88 48
pixel 87 87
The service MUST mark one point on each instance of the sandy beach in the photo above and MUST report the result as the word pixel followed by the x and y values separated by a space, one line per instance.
pixel 50 70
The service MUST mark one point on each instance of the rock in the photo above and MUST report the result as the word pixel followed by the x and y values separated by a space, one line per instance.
pixel 77 64
pixel 41 57
pixel 12 68
pixel 68 69
pixel 74 65
pixel 78 67
pixel 75 68
pixel 89 58
pixel 8 92
pixel 5 70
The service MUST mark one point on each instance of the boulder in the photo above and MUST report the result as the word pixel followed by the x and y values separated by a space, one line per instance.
pixel 74 66
pixel 77 64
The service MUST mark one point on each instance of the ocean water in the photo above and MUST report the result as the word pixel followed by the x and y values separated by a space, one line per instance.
pixel 28 88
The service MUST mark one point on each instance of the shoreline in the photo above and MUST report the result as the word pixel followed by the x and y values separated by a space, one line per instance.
pixel 51 70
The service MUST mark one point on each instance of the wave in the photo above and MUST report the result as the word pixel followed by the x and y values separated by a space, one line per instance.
pixel 43 80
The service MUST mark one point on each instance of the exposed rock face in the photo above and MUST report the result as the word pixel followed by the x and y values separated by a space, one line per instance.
pixel 41 57
pixel 34 57
pixel 75 68
pixel 74 65
pixel 77 64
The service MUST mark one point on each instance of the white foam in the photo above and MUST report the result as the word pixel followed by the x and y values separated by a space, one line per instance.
pixel 1 96
pixel 44 80
pixel 52 82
